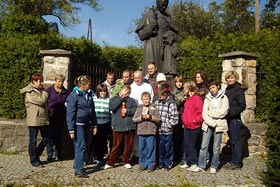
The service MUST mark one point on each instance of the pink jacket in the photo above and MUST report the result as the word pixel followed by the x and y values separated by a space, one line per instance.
pixel 192 115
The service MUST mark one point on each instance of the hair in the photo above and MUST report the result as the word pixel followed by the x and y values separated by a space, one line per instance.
pixel 202 75
pixel 59 77
pixel 110 74
pixel 127 87
pixel 191 86
pixel 212 82
pixel 82 80
pixel 138 72
pixel 231 73
pixel 101 88
pixel 144 94
pixel 178 78
pixel 162 90
pixel 36 76
pixel 152 63
pixel 127 71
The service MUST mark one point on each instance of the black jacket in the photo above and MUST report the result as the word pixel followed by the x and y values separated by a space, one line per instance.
pixel 236 98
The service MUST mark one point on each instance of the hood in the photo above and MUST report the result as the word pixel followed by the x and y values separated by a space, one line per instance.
pixel 220 94
pixel 27 88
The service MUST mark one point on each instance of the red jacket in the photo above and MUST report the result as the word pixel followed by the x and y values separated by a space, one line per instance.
pixel 192 115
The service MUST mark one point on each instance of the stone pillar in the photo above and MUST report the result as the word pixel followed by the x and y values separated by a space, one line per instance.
pixel 56 61
pixel 245 65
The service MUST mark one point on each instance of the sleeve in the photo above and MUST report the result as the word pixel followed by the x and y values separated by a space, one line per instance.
pixel 241 104
pixel 208 120
pixel 137 117
pixel 93 117
pixel 223 109
pixel 155 116
pixel 198 110
pixel 71 111
pixel 37 99
pixel 174 115
pixel 131 109
pixel 114 103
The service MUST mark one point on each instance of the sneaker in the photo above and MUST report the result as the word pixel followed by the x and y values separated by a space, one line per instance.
pixel 81 174
pixel 233 167
pixel 107 166
pixel 213 170
pixel 183 165
pixel 194 168
pixel 167 168
pixel 160 167
pixel 127 166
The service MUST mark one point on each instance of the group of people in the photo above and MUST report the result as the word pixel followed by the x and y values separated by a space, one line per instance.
pixel 143 117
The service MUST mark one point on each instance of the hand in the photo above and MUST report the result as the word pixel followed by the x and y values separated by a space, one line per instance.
pixel 94 131
pixel 146 116
pixel 72 136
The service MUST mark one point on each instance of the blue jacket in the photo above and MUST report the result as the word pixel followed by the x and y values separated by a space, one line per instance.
pixel 119 123
pixel 80 110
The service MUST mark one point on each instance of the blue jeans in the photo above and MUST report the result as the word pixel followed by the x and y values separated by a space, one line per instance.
pixel 82 135
pixel 36 151
pixel 204 148
pixel 191 140
pixel 235 141
pixel 165 150
pixel 147 151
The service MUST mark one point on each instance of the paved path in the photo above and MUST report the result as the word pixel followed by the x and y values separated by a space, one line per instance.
pixel 15 170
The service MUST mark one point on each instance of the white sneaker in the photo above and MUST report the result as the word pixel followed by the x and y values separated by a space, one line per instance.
pixel 194 168
pixel 127 166
pixel 183 165
pixel 213 170
pixel 107 166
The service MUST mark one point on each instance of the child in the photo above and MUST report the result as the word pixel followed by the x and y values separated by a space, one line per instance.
pixel 104 129
pixel 123 108
pixel 169 117
pixel 192 120
pixel 81 120
pixel 214 113
pixel 147 117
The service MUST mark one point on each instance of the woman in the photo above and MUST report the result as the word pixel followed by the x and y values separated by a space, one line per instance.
pixel 104 129
pixel 201 80
pixel 81 121
pixel 36 99
pixel 237 104
pixel 57 115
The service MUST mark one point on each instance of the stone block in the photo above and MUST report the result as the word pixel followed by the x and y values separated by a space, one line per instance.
pixel 257 128
pixel 49 59
pixel 62 61
pixel 238 62
pixel 254 140
pixel 251 63
pixel 251 102
pixel 248 116
pixel 226 65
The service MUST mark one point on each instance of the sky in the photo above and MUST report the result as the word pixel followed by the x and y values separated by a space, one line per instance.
pixel 110 26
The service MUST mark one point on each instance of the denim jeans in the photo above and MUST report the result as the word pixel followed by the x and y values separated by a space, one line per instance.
pixel 36 151
pixel 204 148
pixel 191 140
pixel 147 151
pixel 165 150
pixel 82 135
pixel 235 141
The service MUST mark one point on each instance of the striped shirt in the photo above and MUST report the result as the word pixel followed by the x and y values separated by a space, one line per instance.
pixel 102 111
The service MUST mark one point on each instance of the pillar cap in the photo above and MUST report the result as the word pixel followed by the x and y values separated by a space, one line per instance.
pixel 239 54
pixel 55 52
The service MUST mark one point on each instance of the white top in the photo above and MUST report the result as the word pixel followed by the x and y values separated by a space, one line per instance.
pixel 137 90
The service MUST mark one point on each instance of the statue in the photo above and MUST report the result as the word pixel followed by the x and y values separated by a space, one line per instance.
pixel 157 30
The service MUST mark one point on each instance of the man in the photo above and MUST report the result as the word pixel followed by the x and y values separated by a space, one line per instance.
pixel 109 82
pixel 151 76
pixel 126 80
pixel 154 29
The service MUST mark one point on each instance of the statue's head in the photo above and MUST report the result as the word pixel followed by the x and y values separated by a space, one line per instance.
pixel 162 5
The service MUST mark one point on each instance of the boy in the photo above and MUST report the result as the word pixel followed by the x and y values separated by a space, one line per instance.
pixel 147 117
pixel 169 118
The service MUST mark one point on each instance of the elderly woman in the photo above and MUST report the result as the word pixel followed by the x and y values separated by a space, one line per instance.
pixel 57 115
pixel 36 99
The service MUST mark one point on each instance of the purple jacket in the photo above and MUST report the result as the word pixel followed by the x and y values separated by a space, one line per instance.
pixel 56 107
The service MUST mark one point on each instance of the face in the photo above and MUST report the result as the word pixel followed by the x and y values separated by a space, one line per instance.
pixel 59 83
pixel 231 80
pixel 146 100
pixel 86 86
pixel 110 79
pixel 214 90
pixel 125 77
pixel 38 83
pixel 102 94
pixel 179 84
pixel 138 78
pixel 124 93
pixel 198 78
pixel 163 97
pixel 162 5
pixel 152 69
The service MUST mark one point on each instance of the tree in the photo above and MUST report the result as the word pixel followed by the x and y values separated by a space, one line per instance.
pixel 270 15
pixel 64 11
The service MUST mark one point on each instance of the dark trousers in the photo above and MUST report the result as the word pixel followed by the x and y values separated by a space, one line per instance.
pixel 191 141
pixel 104 131
pixel 36 151
pixel 121 140
pixel 56 133
pixel 165 150
pixel 234 128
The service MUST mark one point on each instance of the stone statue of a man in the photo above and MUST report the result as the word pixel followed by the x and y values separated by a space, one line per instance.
pixel 156 28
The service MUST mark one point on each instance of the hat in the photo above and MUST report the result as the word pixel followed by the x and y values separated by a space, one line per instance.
pixel 161 77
